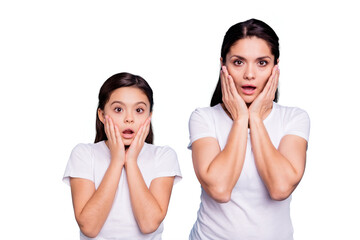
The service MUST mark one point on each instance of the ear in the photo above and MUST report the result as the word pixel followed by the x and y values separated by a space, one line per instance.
pixel 221 61
pixel 277 63
pixel 150 115
pixel 101 115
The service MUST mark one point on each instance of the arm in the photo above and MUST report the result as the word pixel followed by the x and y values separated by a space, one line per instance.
pixel 218 171
pixel 280 169
pixel 92 206
pixel 149 204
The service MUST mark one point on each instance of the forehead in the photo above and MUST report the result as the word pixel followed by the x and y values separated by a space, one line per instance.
pixel 251 47
pixel 129 95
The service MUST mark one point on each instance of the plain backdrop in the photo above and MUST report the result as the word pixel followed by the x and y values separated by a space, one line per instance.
pixel 55 55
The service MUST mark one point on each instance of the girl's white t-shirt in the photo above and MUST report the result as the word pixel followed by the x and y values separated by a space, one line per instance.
pixel 90 161
pixel 251 213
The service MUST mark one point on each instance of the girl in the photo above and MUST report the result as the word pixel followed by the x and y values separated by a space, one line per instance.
pixel 121 185
pixel 248 151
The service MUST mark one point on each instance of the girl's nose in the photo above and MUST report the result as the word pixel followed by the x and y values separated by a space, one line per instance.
pixel 129 118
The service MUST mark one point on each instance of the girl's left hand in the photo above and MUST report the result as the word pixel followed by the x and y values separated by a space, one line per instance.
pixel 264 100
pixel 136 145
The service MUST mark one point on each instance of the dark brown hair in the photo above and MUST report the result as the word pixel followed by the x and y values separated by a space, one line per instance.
pixel 114 82
pixel 241 30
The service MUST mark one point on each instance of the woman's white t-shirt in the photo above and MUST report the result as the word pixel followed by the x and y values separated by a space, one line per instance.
pixel 250 214
pixel 90 161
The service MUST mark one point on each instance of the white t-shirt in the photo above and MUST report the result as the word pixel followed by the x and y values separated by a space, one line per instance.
pixel 250 214
pixel 90 161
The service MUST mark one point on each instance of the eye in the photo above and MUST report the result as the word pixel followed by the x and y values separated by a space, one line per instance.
pixel 118 109
pixel 139 110
pixel 238 62
pixel 263 63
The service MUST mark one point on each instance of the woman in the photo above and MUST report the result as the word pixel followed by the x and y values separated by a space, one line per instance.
pixel 248 151
pixel 121 184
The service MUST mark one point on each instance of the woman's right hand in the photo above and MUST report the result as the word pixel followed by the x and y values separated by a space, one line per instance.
pixel 232 100
pixel 114 142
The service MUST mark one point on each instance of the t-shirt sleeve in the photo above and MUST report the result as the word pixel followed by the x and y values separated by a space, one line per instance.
pixel 167 164
pixel 298 123
pixel 200 126
pixel 80 164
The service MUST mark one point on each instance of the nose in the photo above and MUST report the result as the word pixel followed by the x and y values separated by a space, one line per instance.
pixel 249 73
pixel 129 118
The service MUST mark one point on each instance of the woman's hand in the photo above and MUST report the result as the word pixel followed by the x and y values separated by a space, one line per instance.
pixel 114 142
pixel 264 101
pixel 136 145
pixel 233 102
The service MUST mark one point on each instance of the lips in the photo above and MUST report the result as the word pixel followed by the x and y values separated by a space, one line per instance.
pixel 128 133
pixel 248 89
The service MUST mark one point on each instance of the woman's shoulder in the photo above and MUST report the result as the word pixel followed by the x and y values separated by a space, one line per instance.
pixel 289 112
pixel 88 146
pixel 288 109
pixel 207 112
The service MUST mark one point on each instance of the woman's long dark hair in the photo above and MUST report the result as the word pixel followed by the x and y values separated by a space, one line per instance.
pixel 118 81
pixel 241 30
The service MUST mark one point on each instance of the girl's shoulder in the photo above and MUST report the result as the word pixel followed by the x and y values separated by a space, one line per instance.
pixel 157 151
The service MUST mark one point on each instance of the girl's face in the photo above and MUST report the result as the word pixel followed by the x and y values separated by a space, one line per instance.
pixel 250 63
pixel 128 107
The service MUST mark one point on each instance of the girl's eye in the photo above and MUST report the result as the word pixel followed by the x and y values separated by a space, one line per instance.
pixel 238 62
pixel 263 63
pixel 118 109
pixel 139 110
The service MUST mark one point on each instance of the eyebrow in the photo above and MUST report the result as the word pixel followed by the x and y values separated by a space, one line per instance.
pixel 242 58
pixel 122 103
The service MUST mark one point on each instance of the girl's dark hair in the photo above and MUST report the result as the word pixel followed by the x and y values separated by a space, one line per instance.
pixel 118 81
pixel 241 30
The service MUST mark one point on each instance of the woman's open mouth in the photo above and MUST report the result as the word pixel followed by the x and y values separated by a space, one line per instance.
pixel 248 89
pixel 128 133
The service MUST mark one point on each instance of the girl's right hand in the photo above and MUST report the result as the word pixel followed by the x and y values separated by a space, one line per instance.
pixel 231 98
pixel 114 142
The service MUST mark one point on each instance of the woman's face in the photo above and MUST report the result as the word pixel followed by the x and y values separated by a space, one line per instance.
pixel 250 63
pixel 128 107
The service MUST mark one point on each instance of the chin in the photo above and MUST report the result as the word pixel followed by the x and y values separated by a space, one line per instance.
pixel 127 142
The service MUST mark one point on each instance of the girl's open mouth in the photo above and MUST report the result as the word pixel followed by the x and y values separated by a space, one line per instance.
pixel 128 133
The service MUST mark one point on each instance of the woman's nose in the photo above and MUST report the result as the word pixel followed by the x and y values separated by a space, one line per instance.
pixel 249 73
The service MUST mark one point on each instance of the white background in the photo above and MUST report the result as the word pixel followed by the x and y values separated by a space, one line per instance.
pixel 55 55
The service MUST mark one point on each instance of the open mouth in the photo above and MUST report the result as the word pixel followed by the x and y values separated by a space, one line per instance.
pixel 128 133
pixel 248 89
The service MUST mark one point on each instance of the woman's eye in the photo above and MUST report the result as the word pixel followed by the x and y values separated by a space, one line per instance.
pixel 263 63
pixel 238 62
pixel 118 109
pixel 139 110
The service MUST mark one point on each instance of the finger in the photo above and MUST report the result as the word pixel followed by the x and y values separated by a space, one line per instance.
pixel 118 135
pixel 274 82
pixel 232 88
pixel 223 77
pixel 106 126
pixel 269 83
pixel 147 129
pixel 111 130
pixel 144 131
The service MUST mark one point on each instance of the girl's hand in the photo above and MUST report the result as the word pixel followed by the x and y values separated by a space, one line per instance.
pixel 114 142
pixel 136 145
pixel 264 101
pixel 233 102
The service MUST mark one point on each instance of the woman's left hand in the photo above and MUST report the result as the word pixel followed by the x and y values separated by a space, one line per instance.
pixel 264 101
pixel 136 145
